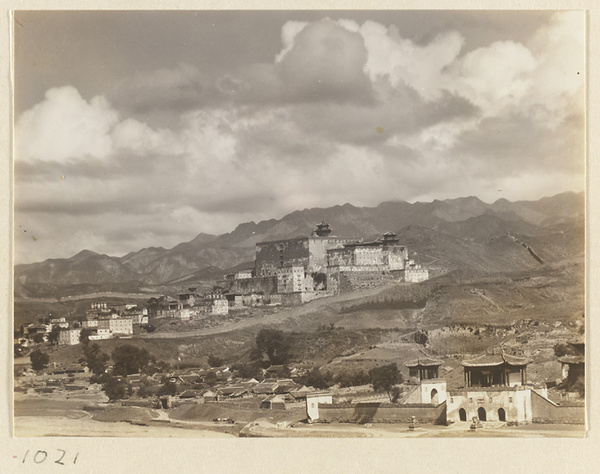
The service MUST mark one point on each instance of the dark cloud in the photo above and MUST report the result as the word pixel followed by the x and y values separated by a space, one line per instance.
pixel 167 92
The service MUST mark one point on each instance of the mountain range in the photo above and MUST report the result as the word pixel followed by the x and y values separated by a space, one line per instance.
pixel 463 233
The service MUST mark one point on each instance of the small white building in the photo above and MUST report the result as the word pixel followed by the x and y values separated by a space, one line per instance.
pixel 100 334
pixel 312 404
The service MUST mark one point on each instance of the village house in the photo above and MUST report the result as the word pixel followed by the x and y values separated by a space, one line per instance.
pixel 69 337
pixel 273 402
pixel 89 323
pixel 117 325
pixel 60 322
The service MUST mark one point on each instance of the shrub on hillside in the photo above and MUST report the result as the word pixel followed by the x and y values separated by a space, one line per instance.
pixel 273 343
pixel 317 379
pixel 352 379
pixel 215 361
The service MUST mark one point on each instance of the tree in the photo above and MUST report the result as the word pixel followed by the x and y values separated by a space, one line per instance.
pixel 395 394
pixel 352 379
pixel 275 344
pixel 39 360
pixel 84 335
pixel 579 386
pixel 129 359
pixel 168 388
pixel 95 359
pixel 53 335
pixel 385 377
pixel 38 338
pixel 421 337
pixel 114 388
pixel 210 379
pixel 317 379
pixel 251 370
pixel 562 349
pixel 147 390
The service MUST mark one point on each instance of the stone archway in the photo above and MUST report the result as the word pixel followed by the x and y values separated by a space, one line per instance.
pixel 501 414
pixel 481 414
pixel 434 397
pixel 462 414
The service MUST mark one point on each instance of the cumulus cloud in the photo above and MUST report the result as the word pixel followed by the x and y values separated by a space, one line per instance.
pixel 493 77
pixel 64 126
pixel 345 112
pixel 325 62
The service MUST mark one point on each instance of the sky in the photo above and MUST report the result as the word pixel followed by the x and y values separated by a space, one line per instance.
pixel 138 129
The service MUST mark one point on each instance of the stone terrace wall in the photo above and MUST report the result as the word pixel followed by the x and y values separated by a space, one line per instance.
pixel 544 411
pixel 382 413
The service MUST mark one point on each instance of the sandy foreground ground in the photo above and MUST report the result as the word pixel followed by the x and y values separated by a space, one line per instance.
pixel 34 426
pixel 59 416
pixel 56 415
pixel 401 430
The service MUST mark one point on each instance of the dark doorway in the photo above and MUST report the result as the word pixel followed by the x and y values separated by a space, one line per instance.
pixel 481 414
pixel 462 414
pixel 501 414
pixel 434 396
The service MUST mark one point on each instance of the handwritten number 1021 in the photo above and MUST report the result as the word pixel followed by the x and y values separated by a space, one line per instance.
pixel 41 456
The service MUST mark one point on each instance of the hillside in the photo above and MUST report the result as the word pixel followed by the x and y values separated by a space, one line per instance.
pixel 445 235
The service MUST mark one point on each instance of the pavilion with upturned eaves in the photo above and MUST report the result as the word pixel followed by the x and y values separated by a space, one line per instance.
pixel 424 368
pixel 495 370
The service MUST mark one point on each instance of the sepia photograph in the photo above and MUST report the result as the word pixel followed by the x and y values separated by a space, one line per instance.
pixel 299 223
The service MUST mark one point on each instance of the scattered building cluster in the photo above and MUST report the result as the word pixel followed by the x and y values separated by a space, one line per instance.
pixel 270 393
pixel 294 271
pixel 190 305
pixel 100 322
